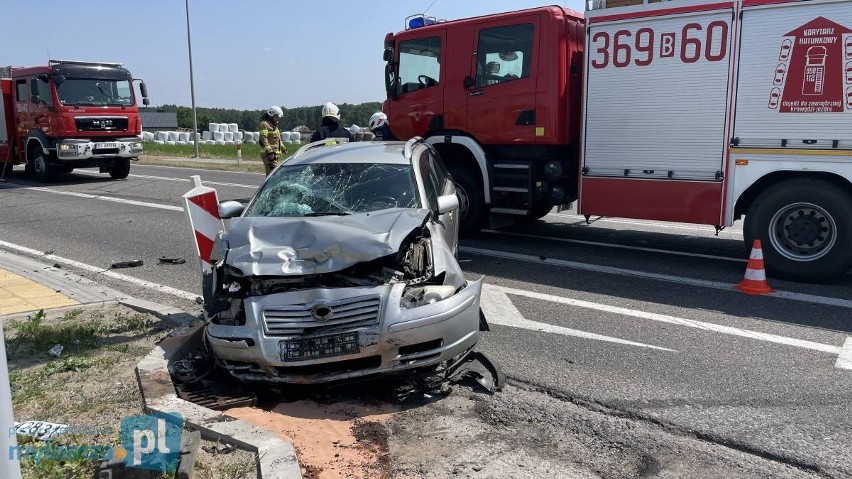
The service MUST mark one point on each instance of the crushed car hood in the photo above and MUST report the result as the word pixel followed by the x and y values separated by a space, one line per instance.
pixel 260 246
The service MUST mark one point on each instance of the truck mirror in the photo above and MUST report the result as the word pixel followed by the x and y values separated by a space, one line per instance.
pixel 143 89
pixel 43 77
pixel 388 54
pixel 469 82
pixel 146 101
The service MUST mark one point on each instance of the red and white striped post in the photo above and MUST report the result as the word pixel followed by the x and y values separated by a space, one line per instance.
pixel 202 207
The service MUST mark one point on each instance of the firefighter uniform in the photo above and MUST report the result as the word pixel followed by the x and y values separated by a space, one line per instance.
pixel 273 148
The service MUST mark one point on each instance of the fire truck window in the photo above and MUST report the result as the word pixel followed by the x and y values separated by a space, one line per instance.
pixel 44 95
pixel 23 91
pixel 419 64
pixel 504 54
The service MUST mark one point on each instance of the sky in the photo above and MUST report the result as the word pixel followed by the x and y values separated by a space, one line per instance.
pixel 245 55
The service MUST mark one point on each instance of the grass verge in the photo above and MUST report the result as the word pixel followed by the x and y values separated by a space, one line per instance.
pixel 91 386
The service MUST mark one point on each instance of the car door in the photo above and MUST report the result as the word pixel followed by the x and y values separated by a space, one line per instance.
pixel 445 186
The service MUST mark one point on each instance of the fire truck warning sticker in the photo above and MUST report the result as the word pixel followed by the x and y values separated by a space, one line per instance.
pixel 814 71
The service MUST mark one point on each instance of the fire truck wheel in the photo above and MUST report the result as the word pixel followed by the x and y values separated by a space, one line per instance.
pixel 120 169
pixel 471 202
pixel 538 211
pixel 805 227
pixel 42 170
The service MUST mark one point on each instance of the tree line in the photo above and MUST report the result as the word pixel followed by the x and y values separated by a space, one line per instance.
pixel 309 116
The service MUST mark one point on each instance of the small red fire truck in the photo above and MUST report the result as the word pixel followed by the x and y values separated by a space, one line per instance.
pixel 68 115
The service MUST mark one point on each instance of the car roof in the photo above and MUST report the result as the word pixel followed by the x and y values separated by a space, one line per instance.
pixel 387 152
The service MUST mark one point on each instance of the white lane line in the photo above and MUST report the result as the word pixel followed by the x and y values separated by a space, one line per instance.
pixel 618 246
pixel 102 198
pixel 844 360
pixel 185 180
pixel 807 298
pixel 498 309
pixel 94 269
pixel 663 318
pixel 647 224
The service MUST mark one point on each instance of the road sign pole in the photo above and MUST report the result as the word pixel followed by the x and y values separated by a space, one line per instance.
pixel 9 467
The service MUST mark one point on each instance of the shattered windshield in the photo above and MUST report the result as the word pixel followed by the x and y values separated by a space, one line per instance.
pixel 89 91
pixel 324 189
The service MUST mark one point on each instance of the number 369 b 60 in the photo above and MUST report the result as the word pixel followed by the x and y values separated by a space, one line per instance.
pixel 641 48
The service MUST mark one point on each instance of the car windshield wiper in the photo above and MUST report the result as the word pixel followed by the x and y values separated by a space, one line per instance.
pixel 329 213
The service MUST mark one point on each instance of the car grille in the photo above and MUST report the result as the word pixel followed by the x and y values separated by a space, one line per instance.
pixel 346 314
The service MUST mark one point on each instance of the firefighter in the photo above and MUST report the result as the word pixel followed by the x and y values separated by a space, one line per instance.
pixel 273 148
pixel 380 126
pixel 330 126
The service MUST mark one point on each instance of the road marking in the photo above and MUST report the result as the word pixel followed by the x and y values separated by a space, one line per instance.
pixel 618 246
pixel 94 269
pixel 498 294
pixel 844 360
pixel 185 180
pixel 103 198
pixel 807 298
pixel 498 309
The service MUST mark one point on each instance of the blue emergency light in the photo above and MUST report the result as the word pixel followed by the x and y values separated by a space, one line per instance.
pixel 420 20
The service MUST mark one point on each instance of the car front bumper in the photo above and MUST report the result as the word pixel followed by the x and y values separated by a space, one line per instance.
pixel 398 340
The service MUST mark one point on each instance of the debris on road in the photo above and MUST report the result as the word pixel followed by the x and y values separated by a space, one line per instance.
pixel 165 260
pixel 127 264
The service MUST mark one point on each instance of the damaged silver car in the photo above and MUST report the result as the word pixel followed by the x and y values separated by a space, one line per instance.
pixel 343 265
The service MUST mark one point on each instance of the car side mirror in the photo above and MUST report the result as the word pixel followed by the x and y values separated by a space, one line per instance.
pixel 447 203
pixel 230 209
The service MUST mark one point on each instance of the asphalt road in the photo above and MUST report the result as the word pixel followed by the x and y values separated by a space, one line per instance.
pixel 621 318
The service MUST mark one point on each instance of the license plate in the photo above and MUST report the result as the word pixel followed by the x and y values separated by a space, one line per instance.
pixel 105 146
pixel 322 347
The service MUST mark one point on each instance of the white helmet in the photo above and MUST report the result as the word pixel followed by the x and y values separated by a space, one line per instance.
pixel 330 109
pixel 378 119
pixel 275 110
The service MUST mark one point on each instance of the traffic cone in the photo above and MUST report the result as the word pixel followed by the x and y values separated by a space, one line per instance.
pixel 754 281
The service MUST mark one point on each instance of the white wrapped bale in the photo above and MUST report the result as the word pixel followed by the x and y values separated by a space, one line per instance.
pixel 230 142
pixel 212 127
pixel 206 135
pixel 219 142
pixel 223 127
pixel 228 136
pixel 183 136
pixel 160 142
pixel 285 136
pixel 239 136
pixel 174 136
pixel 233 127
pixel 170 142
pixel 218 136
pixel 181 142
pixel 161 136
pixel 251 142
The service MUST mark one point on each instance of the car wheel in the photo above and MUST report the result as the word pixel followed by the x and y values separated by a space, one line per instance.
pixel 120 169
pixel 471 201
pixel 805 228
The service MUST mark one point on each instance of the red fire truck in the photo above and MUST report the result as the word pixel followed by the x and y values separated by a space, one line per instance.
pixel 696 111
pixel 68 115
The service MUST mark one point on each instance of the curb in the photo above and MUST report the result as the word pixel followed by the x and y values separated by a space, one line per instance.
pixel 276 457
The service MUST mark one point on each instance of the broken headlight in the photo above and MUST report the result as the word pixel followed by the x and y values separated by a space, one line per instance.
pixel 413 297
